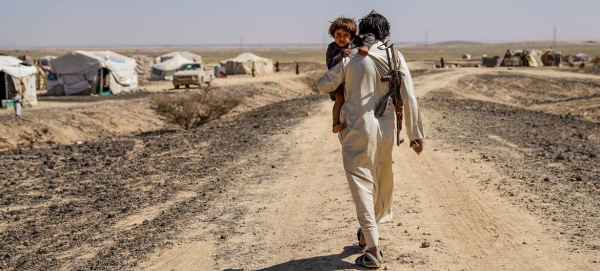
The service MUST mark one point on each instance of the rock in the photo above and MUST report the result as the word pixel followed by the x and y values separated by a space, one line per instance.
pixel 425 244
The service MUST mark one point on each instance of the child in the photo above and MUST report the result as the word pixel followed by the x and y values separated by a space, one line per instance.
pixel 16 99
pixel 343 30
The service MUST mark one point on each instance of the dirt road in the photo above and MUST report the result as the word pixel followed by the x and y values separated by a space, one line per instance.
pixel 499 187
pixel 298 213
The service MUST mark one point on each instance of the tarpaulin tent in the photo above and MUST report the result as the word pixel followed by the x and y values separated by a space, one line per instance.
pixel 166 69
pixel 242 64
pixel 191 56
pixel 80 73
pixel 550 58
pixel 518 58
pixel 581 57
pixel 14 76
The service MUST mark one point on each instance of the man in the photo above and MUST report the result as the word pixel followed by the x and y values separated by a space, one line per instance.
pixel 17 102
pixel 368 140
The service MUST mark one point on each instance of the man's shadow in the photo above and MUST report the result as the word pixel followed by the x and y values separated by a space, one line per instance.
pixel 321 263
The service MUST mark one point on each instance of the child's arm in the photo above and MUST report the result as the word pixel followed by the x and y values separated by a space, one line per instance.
pixel 330 57
pixel 367 41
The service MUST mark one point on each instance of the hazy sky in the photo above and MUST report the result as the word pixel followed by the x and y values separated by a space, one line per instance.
pixel 187 22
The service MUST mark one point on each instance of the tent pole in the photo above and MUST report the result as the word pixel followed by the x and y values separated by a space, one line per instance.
pixel 101 89
pixel 6 86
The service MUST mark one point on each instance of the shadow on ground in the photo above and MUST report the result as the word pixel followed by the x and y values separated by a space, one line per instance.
pixel 323 263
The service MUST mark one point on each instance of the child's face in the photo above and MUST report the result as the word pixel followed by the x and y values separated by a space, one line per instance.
pixel 342 37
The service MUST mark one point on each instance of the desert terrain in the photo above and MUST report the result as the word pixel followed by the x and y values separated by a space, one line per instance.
pixel 509 178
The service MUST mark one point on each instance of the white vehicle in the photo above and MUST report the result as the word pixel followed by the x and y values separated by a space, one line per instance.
pixel 192 74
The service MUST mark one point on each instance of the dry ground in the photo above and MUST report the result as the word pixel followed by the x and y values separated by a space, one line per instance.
pixel 509 181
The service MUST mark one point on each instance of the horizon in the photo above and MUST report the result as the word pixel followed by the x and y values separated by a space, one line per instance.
pixel 416 44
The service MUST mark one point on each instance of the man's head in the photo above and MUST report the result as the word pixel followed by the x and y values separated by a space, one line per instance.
pixel 343 31
pixel 375 24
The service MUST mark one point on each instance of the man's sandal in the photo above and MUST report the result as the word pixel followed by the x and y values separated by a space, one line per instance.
pixel 368 260
pixel 361 247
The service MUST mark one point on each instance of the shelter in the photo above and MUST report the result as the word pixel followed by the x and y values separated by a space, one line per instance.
pixel 466 57
pixel 522 58
pixel 242 64
pixel 15 76
pixel 581 57
pixel 490 61
pixel 87 72
pixel 550 58
pixel 191 56
pixel 166 69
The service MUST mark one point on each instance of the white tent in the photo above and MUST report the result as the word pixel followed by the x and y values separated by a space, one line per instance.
pixel 166 69
pixel 79 73
pixel 242 64
pixel 191 56
pixel 14 76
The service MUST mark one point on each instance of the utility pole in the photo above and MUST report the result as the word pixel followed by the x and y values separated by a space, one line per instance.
pixel 324 36
pixel 554 43
pixel 426 38
pixel 242 42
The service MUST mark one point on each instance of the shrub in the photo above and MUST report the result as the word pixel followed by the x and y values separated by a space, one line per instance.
pixel 190 110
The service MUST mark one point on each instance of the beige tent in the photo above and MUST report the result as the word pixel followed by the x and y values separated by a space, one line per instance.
pixel 191 56
pixel 14 76
pixel 80 73
pixel 166 69
pixel 242 64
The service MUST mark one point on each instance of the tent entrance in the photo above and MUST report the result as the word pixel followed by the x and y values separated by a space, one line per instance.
pixel 6 86
pixel 103 87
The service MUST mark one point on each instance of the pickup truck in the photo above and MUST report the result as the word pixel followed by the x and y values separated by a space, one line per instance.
pixel 192 74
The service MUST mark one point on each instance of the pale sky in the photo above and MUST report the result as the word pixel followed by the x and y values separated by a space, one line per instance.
pixel 219 22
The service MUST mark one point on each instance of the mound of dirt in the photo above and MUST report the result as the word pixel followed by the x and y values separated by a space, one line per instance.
pixel 558 96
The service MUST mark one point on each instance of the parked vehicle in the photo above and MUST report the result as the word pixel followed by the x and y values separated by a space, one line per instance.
pixel 192 74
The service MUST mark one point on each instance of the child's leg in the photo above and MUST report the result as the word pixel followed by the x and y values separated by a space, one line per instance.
pixel 337 108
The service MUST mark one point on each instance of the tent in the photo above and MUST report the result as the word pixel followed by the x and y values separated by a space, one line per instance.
pixel 191 56
pixel 81 72
pixel 581 57
pixel 519 58
pixel 242 64
pixel 166 69
pixel 550 58
pixel 15 76
pixel 466 57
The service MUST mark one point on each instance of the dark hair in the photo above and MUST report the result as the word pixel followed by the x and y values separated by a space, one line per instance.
pixel 375 24
pixel 346 24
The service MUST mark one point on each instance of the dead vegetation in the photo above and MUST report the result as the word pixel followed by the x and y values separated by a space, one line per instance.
pixel 192 109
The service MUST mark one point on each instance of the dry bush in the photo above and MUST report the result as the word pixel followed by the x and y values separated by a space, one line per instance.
pixel 190 110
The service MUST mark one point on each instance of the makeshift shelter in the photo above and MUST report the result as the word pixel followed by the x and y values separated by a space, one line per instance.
pixel 243 63
pixel 520 58
pixel 191 56
pixel 87 72
pixel 44 62
pixel 550 58
pixel 581 57
pixel 466 57
pixel 166 69
pixel 15 76
pixel 490 61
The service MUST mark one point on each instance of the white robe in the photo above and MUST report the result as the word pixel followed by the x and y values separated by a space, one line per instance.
pixel 367 142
